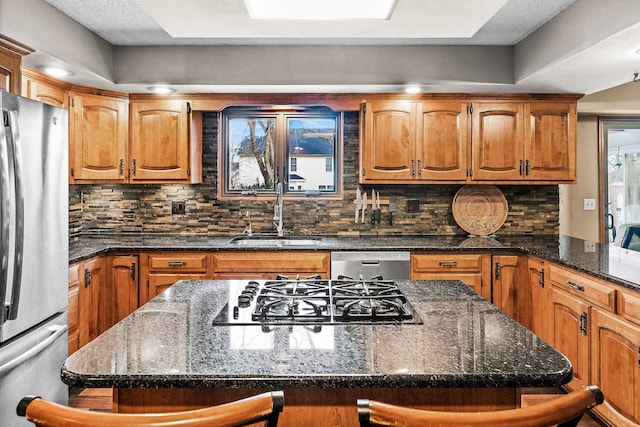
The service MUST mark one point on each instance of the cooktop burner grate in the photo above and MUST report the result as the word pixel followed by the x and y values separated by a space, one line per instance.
pixel 318 301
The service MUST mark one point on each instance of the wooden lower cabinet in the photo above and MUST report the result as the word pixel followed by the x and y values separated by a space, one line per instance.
pixel 536 300
pixel 123 280
pixel 471 269
pixel 160 270
pixel 268 264
pixel 73 308
pixel 570 318
pixel 505 290
pixel 319 406
pixel 615 367
pixel 93 300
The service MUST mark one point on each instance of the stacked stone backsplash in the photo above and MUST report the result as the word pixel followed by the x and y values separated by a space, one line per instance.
pixel 146 208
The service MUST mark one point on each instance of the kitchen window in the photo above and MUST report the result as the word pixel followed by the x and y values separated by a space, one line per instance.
pixel 298 147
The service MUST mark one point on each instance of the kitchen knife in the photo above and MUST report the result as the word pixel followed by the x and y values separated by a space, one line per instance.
pixel 364 204
pixel 373 206
pixel 393 207
pixel 358 203
pixel 378 211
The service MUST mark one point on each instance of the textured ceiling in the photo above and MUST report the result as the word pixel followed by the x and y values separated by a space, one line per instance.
pixel 125 22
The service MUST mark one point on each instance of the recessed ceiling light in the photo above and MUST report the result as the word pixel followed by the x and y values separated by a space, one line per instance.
pixel 320 9
pixel 56 71
pixel 161 90
pixel 413 89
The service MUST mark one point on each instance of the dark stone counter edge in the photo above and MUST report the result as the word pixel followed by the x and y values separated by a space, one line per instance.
pixel 464 380
pixel 221 244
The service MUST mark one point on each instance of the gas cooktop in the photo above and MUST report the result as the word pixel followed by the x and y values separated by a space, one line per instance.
pixel 317 301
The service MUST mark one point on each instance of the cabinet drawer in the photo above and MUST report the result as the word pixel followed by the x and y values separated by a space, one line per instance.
pixel 74 275
pixel 629 306
pixel 588 288
pixel 178 262
pixel 441 263
pixel 271 262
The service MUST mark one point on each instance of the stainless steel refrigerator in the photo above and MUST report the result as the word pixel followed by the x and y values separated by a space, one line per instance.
pixel 34 252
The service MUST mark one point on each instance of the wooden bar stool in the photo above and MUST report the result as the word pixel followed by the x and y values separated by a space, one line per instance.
pixel 564 411
pixel 263 407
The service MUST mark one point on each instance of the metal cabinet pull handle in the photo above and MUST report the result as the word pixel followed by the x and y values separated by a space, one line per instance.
pixel 177 263
pixel 448 264
pixel 133 271
pixel 87 277
pixel 413 167
pixel 575 286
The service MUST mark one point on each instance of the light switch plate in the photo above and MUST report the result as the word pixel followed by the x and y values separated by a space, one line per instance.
pixel 589 204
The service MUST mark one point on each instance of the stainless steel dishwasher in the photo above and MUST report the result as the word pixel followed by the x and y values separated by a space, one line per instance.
pixel 390 265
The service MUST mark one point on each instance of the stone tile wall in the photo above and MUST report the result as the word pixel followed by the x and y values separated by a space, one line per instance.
pixel 147 207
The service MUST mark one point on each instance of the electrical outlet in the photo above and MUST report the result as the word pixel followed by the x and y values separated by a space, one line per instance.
pixel 177 208
pixel 413 206
pixel 589 246
pixel 589 204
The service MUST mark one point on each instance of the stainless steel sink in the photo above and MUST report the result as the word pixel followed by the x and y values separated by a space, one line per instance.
pixel 274 241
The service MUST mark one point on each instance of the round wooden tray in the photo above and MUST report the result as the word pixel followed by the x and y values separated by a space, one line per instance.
pixel 480 209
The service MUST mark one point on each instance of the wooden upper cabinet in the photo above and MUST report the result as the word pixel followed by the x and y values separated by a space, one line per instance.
pixel 550 142
pixel 39 86
pixel 407 141
pixel 160 142
pixel 531 142
pixel 498 141
pixel 388 146
pixel 11 53
pixel 98 138
pixel 442 140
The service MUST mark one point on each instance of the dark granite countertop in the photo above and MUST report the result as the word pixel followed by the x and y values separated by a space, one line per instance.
pixel 608 262
pixel 464 341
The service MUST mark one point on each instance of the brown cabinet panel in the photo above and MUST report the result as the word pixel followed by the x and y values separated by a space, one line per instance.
pixel 471 269
pixel 615 348
pixel 538 304
pixel 550 142
pixel 592 290
pixel 123 281
pixel 266 265
pixel 73 308
pixel 497 141
pixel 442 140
pixel 160 270
pixel 628 306
pixel 94 299
pixel 389 133
pixel 505 289
pixel 570 317
pixel 98 138
pixel 160 142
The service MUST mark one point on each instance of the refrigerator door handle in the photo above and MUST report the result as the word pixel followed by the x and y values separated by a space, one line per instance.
pixel 19 209
pixel 5 220
pixel 55 332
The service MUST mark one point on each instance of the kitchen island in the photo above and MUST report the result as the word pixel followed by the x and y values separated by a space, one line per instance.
pixel 459 352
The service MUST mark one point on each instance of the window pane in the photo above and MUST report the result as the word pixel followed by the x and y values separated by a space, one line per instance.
pixel 251 151
pixel 311 142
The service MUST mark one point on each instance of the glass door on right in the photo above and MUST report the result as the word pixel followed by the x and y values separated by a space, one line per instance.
pixel 621 176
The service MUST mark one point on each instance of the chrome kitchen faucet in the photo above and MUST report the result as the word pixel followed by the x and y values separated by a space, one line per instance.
pixel 277 211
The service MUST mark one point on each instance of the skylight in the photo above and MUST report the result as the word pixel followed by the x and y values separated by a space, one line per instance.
pixel 320 9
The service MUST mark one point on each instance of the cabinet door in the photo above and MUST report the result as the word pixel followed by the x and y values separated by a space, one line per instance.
pixel 388 146
pixel 73 308
pixel 124 285
pixel 43 91
pixel 550 142
pixel 160 148
pixel 473 270
pixel 94 300
pixel 615 347
pixel 537 303
pixel 497 141
pixel 442 140
pixel 504 290
pixel 571 332
pixel 159 282
pixel 98 138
